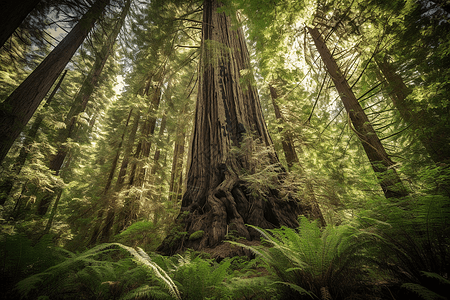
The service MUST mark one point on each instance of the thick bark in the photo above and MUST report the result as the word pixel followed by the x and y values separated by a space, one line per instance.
pixel 217 201
pixel 433 137
pixel 382 165
pixel 287 142
pixel 20 106
pixel 13 14
pixel 8 183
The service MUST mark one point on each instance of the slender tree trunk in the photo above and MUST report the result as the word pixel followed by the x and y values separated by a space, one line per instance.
pixel 13 14
pixel 8 183
pixel 287 142
pixel 156 165
pixel 176 177
pixel 129 212
pixel 104 197
pixel 381 163
pixel 88 87
pixel 434 138
pixel 80 104
pixel 110 216
pixel 217 201
pixel 19 107
pixel 48 226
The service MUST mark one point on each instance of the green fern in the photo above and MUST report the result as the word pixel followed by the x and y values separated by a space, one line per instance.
pixel 88 271
pixel 422 291
pixel 308 259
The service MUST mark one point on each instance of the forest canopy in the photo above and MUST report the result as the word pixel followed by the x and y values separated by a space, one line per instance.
pixel 225 149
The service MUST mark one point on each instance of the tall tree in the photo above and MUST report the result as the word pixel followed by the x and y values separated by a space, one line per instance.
pixel 13 14
pixel 381 163
pixel 80 103
pixel 228 110
pixel 19 107
pixel 7 185
pixel 288 145
pixel 434 137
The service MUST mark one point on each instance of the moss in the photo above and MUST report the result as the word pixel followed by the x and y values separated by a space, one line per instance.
pixel 196 235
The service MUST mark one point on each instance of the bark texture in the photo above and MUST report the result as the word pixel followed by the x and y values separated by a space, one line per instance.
pixel 19 107
pixel 13 14
pixel 217 201
pixel 381 163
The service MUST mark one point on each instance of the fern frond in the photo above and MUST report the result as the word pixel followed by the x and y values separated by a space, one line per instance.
pixel 147 292
pixel 436 276
pixel 297 288
pixel 144 259
pixel 422 291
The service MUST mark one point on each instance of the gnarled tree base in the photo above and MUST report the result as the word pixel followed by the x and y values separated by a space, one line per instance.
pixel 225 213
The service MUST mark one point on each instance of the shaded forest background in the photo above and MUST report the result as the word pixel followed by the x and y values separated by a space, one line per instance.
pixel 100 103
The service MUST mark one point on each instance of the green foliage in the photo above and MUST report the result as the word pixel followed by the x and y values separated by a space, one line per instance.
pixel 196 235
pixel 140 233
pixel 308 259
pixel 422 291
pixel 21 257
pixel 105 273
pixel 100 272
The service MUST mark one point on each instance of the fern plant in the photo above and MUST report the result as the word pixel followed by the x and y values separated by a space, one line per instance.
pixel 310 263
pixel 415 244
pixel 99 273
pixel 203 278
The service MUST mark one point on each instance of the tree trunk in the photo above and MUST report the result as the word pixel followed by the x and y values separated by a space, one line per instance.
pixel 381 163
pixel 104 197
pixel 286 141
pixel 84 95
pixel 20 106
pixel 8 183
pixel 217 201
pixel 110 216
pixel 80 104
pixel 433 137
pixel 13 14
pixel 129 211
pixel 176 177
pixel 156 165
pixel 288 144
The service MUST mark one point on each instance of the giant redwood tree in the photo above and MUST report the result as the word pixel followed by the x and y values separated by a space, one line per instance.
pixel 217 200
